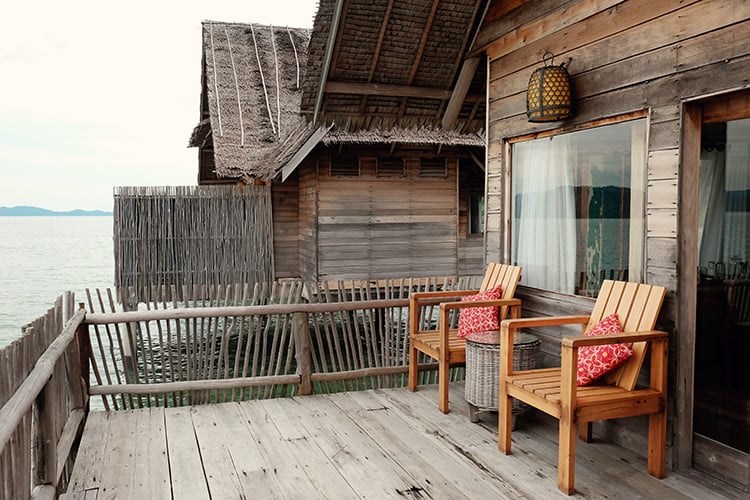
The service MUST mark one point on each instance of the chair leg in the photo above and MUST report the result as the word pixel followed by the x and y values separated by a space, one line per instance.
pixel 413 368
pixel 504 420
pixel 584 432
pixel 443 372
pixel 566 459
pixel 657 444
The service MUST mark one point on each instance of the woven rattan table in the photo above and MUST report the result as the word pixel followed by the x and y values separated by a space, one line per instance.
pixel 483 369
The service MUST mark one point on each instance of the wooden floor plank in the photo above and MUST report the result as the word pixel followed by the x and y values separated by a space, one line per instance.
pixel 233 431
pixel 287 415
pixel 282 464
pixel 216 458
pixel 186 470
pixel 387 443
pixel 118 464
pixel 450 475
pixel 151 461
pixel 355 454
pixel 90 453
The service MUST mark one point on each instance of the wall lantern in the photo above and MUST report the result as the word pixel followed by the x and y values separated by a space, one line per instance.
pixel 550 94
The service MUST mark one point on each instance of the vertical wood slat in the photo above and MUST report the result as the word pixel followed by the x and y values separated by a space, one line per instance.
pixel 212 348
pixel 40 394
pixel 162 235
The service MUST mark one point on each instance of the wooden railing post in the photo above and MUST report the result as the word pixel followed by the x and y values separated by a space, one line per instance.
pixel 46 440
pixel 84 362
pixel 303 354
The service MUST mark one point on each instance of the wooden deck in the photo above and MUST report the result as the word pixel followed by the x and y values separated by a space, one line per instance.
pixel 375 444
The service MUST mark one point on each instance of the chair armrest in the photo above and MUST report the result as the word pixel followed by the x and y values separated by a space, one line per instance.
pixel 615 338
pixel 515 324
pixel 480 303
pixel 508 329
pixel 418 297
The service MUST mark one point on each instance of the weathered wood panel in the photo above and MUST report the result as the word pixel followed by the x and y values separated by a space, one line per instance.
pixel 328 446
pixel 41 403
pixel 636 55
pixel 286 227
pixel 379 227
pixel 308 226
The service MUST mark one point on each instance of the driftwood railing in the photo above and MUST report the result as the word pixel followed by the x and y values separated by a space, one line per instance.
pixel 43 403
pixel 230 344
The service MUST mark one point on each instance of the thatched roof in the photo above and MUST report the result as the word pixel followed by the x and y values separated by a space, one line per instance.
pixel 418 136
pixel 260 81
pixel 252 77
pixel 379 64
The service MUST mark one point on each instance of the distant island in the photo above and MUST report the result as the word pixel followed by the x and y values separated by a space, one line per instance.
pixel 36 211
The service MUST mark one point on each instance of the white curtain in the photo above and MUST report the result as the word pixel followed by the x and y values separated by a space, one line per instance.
pixel 737 181
pixel 545 220
pixel 723 213
pixel 711 207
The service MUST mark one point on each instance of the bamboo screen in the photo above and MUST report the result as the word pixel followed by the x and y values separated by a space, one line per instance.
pixel 192 235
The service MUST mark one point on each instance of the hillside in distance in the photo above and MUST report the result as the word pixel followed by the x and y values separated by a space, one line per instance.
pixel 37 211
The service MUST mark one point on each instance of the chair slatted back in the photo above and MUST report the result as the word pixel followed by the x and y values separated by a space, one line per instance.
pixel 637 306
pixel 505 275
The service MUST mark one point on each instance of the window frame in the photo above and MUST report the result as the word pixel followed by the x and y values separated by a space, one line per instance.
pixel 638 197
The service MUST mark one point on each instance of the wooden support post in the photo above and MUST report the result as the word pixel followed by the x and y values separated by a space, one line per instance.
pixel 84 364
pixel 657 422
pixel 301 333
pixel 45 467
pixel 566 460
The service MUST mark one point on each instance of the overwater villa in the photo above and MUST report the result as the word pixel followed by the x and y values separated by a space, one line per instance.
pixel 304 323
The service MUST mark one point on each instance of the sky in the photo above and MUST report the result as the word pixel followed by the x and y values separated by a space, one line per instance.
pixel 97 94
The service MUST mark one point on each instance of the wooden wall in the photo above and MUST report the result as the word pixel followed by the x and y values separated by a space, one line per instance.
pixel 286 227
pixel 631 56
pixel 374 226
pixel 308 227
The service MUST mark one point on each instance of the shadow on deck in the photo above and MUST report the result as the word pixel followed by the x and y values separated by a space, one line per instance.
pixel 386 443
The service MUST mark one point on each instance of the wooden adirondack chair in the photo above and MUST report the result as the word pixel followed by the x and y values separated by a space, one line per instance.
pixel 443 344
pixel 554 390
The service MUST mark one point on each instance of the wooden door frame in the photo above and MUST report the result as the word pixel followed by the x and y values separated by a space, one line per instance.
pixel 695 113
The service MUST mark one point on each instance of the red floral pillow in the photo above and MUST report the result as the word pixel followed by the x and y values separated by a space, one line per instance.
pixel 479 319
pixel 596 360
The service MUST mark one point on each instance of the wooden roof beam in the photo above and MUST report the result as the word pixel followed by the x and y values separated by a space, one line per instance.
pixel 420 52
pixel 328 56
pixel 376 53
pixel 468 70
pixel 388 90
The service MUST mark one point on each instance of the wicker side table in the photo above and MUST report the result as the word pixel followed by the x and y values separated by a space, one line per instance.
pixel 483 369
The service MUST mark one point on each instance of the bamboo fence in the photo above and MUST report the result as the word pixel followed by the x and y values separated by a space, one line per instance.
pixel 221 343
pixel 197 235
pixel 355 334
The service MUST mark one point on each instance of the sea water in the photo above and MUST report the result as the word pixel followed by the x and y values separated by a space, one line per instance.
pixel 42 257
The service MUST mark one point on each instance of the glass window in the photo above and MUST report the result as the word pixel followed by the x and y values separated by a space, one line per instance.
pixel 476 213
pixel 578 207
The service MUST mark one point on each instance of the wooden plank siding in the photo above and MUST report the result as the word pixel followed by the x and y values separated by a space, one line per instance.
pixel 285 199
pixel 308 229
pixel 624 57
pixel 371 226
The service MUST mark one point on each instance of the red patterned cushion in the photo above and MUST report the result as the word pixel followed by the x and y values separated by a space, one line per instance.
pixel 479 319
pixel 596 360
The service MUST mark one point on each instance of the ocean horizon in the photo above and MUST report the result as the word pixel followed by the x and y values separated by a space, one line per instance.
pixel 45 256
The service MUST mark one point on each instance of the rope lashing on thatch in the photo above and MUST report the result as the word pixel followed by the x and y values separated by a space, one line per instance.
pixel 216 80
pixel 296 58
pixel 236 86
pixel 278 86
pixel 262 79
